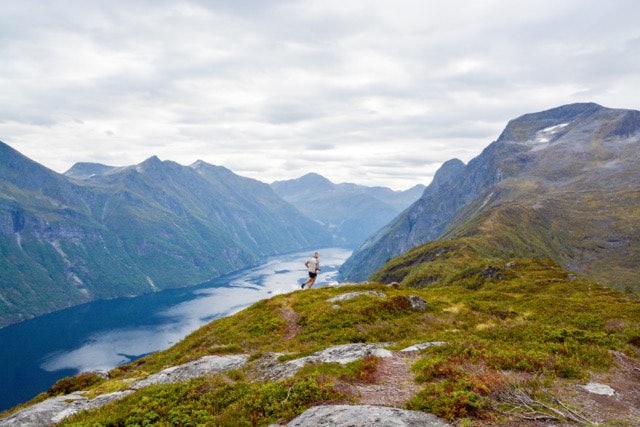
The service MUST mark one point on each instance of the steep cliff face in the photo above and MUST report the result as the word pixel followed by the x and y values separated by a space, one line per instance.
pixel 572 169
pixel 103 232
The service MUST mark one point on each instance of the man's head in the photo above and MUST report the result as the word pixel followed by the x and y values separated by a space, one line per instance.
pixel 315 254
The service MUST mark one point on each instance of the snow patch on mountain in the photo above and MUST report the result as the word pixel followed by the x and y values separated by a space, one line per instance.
pixel 543 137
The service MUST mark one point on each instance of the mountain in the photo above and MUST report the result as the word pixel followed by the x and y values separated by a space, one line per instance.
pixel 559 184
pixel 84 170
pixel 351 212
pixel 103 232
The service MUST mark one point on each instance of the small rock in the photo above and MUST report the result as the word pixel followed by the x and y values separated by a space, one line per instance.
pixel 352 295
pixel 422 346
pixel 417 303
pixel 492 272
pixel 597 388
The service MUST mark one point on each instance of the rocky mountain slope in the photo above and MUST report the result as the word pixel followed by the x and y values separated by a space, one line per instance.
pixel 102 232
pixel 458 339
pixel 559 184
pixel 351 212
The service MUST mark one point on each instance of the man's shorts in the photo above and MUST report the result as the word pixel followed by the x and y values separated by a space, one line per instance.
pixel 312 275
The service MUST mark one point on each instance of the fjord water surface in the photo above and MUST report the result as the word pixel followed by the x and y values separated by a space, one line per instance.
pixel 104 334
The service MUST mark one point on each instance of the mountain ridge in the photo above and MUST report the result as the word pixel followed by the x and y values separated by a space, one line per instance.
pixel 576 155
pixel 352 212
pixel 103 232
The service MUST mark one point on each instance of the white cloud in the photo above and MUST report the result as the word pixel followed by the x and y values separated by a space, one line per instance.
pixel 357 91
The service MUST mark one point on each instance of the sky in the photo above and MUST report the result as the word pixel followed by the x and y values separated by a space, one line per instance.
pixel 367 92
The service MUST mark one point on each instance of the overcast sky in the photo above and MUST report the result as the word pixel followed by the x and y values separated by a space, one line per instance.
pixel 369 92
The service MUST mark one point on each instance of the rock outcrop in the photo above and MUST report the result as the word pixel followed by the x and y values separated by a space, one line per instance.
pixel 365 416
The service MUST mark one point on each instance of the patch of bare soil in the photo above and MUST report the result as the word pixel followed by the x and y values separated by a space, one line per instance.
pixel 292 323
pixel 621 407
pixel 393 383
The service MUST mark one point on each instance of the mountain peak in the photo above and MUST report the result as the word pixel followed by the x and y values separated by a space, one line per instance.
pixel 151 161
pixel 313 178
pixel 525 127
pixel 85 170
pixel 19 169
pixel 447 171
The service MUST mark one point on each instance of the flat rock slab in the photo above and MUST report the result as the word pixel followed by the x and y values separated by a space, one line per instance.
pixel 597 388
pixel 422 346
pixel 57 408
pixel 203 366
pixel 343 354
pixel 365 416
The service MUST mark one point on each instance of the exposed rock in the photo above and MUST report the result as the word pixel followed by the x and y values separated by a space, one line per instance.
pixel 597 388
pixel 365 416
pixel 343 354
pixel 352 295
pixel 197 368
pixel 57 408
pixel 417 303
pixel 492 272
pixel 422 346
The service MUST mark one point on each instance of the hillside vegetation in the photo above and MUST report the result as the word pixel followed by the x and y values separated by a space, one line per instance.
pixel 519 336
pixel 603 244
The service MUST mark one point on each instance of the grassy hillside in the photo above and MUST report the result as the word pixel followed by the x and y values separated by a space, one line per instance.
pixel 592 233
pixel 519 336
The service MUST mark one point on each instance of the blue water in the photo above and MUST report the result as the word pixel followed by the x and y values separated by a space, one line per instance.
pixel 104 334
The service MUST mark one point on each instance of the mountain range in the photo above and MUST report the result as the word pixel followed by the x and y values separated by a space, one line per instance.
pixel 559 184
pixel 102 232
pixel 479 310
pixel 351 212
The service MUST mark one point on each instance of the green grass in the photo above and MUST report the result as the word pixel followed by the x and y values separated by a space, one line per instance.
pixel 508 324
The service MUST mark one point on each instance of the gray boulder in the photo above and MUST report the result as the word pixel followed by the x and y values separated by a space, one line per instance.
pixel 417 303
pixel 365 416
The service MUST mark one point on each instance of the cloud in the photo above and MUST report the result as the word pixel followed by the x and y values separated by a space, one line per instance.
pixel 276 89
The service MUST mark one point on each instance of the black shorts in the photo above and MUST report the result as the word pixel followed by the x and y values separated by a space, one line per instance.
pixel 312 275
